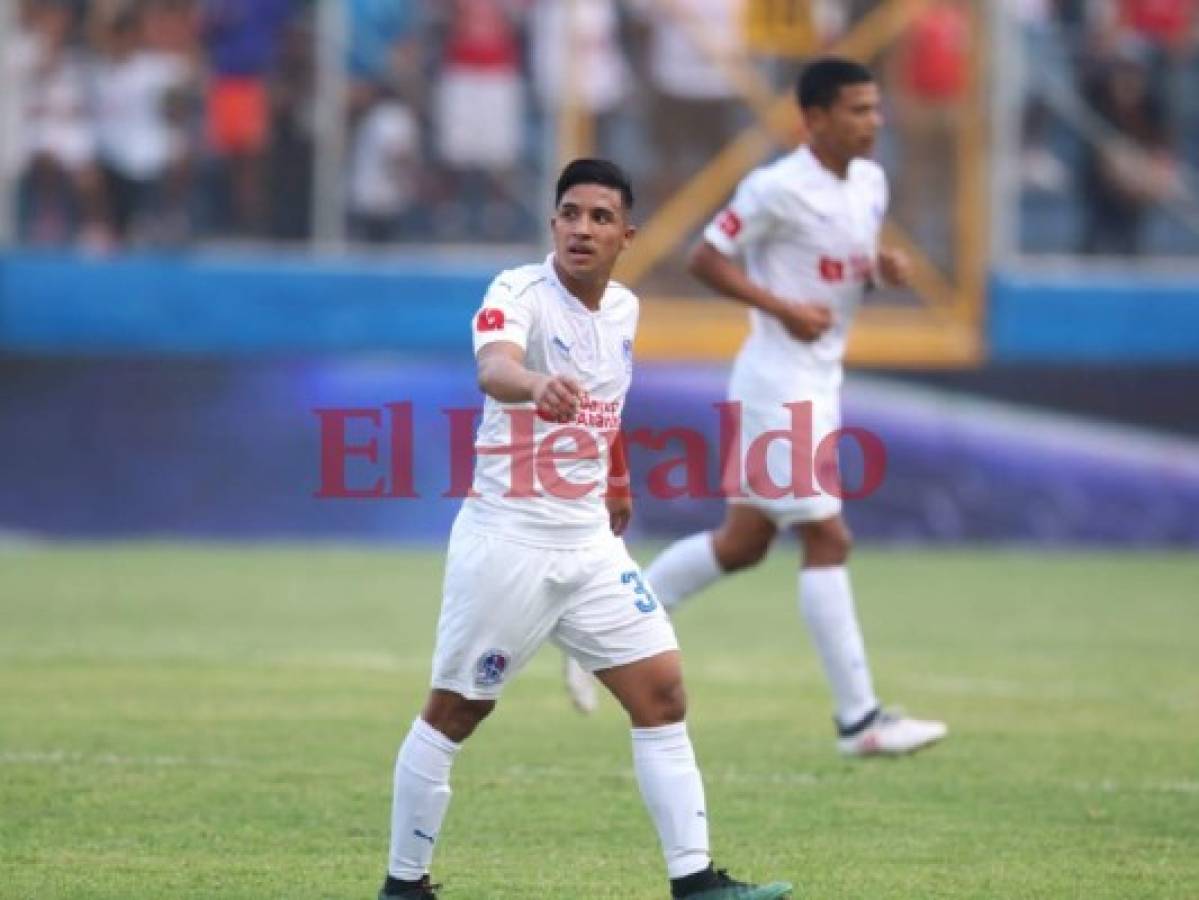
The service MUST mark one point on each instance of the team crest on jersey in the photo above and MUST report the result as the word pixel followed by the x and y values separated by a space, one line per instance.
pixel 729 222
pixel 491 668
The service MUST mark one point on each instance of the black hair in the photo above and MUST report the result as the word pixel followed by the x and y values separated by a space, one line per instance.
pixel 595 171
pixel 821 81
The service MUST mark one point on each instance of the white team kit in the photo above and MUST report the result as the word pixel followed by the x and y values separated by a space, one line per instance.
pixel 807 236
pixel 521 569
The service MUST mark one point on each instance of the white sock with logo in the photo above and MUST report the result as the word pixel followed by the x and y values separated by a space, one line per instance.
pixel 826 602
pixel 683 568
pixel 420 797
pixel 674 795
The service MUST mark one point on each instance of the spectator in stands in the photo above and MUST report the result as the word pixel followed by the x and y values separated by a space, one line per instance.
pixel 291 154
pixel 1169 28
pixel 140 103
pixel 242 39
pixel 16 68
pixel 696 106
pixel 1128 168
pixel 932 80
pixel 60 185
pixel 480 113
pixel 576 47
pixel 1168 24
pixel 387 103
pixel 1040 167
pixel 385 50
pixel 384 170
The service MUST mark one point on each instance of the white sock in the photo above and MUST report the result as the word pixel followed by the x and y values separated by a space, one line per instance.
pixel 826 602
pixel 419 799
pixel 683 568
pixel 674 795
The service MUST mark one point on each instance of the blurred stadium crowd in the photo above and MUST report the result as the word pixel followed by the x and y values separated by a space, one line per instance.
pixel 167 122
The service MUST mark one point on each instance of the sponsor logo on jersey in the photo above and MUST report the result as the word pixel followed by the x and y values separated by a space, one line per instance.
pixel 490 668
pixel 857 268
pixel 832 269
pixel 490 319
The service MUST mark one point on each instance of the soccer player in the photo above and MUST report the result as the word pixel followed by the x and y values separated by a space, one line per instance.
pixel 535 558
pixel 799 245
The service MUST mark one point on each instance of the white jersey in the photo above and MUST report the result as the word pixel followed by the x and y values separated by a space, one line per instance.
pixel 530 307
pixel 805 235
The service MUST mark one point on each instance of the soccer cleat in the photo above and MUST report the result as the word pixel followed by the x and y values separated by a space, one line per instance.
pixel 716 884
pixel 402 890
pixel 890 733
pixel 580 685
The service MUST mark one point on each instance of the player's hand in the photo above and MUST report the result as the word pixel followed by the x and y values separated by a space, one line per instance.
pixel 620 510
pixel 557 398
pixel 806 321
pixel 894 268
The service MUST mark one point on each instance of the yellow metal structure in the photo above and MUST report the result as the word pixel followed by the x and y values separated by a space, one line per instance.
pixel 780 27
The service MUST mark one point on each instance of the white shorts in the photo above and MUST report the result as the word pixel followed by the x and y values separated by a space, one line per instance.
pixel 804 499
pixel 502 599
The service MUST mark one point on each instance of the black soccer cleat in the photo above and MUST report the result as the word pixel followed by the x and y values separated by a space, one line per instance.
pixel 717 884
pixel 394 889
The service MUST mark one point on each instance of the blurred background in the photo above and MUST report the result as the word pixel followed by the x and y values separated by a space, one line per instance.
pixel 218 217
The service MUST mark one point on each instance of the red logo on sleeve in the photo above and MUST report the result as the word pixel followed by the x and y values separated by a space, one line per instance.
pixel 729 222
pixel 490 319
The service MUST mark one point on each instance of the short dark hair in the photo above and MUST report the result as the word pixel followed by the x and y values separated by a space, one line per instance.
pixel 595 171
pixel 821 81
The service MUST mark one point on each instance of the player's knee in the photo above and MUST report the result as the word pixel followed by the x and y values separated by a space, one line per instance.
pixel 735 552
pixel 828 545
pixel 455 716
pixel 669 702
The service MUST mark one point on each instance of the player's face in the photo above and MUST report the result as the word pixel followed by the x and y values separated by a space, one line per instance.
pixel 852 123
pixel 591 229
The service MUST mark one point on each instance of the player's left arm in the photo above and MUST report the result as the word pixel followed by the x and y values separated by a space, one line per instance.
pixel 893 266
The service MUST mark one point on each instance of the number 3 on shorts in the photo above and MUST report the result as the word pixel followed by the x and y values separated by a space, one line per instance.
pixel 645 601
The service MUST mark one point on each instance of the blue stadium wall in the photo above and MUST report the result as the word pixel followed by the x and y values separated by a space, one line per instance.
pixel 164 396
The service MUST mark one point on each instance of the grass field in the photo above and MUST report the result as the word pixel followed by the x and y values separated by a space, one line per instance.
pixel 219 722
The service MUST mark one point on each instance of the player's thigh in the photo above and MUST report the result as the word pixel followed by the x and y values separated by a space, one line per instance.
pixel 498 606
pixel 612 618
pixel 785 474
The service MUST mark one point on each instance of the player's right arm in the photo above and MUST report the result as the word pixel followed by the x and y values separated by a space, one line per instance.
pixel 804 321
pixel 750 217
pixel 503 376
pixel 501 333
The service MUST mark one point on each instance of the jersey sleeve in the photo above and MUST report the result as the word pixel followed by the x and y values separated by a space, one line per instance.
pixel 506 315
pixel 748 217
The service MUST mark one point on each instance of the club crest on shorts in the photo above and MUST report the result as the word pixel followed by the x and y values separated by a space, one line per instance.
pixel 490 668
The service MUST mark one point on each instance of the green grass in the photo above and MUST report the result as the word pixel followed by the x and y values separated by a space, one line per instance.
pixel 216 722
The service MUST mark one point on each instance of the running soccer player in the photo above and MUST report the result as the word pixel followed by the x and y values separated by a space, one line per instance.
pixel 536 553
pixel 799 245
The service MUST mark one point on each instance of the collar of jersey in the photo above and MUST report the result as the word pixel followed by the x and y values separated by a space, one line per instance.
pixel 573 303
pixel 805 157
